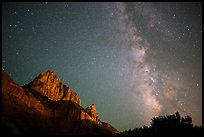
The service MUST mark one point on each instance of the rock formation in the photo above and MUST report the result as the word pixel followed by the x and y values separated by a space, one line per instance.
pixel 46 106
pixel 15 96
pixel 49 85
pixel 91 110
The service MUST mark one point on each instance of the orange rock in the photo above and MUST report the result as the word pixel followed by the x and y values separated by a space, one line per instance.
pixel 94 114
pixel 38 107
pixel 48 84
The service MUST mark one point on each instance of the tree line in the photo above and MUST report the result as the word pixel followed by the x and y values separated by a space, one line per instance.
pixel 169 125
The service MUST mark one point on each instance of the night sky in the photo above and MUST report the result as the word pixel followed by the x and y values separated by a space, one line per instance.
pixel 134 61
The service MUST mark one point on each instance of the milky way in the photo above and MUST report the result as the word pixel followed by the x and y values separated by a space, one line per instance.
pixel 147 84
pixel 134 61
pixel 160 94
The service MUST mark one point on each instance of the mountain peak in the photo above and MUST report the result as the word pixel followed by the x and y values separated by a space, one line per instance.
pixel 49 74
pixel 49 71
pixel 44 112
pixel 49 85
pixel 92 111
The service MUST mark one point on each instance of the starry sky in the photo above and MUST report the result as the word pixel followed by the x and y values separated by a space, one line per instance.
pixel 133 61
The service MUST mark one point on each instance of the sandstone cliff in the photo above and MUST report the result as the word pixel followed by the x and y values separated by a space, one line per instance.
pixel 49 85
pixel 46 106
pixel 91 110
pixel 15 98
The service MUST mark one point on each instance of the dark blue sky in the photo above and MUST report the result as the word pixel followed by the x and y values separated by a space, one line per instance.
pixel 132 60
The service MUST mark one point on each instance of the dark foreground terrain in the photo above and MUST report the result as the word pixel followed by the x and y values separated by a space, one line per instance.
pixel 170 125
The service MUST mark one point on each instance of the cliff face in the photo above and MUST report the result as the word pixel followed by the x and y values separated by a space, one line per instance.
pixel 47 106
pixel 49 85
pixel 91 110
pixel 15 99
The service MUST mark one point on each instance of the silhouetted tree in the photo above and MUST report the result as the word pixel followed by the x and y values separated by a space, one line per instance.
pixel 167 125
pixel 178 117
pixel 187 121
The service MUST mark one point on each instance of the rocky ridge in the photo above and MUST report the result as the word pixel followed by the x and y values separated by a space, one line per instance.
pixel 46 102
pixel 49 85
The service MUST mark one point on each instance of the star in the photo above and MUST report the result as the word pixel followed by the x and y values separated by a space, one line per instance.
pixel 174 16
pixel 66 5
pixel 14 13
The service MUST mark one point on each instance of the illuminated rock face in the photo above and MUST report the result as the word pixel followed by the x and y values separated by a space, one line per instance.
pixel 45 105
pixel 49 85
pixel 91 110
pixel 15 98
